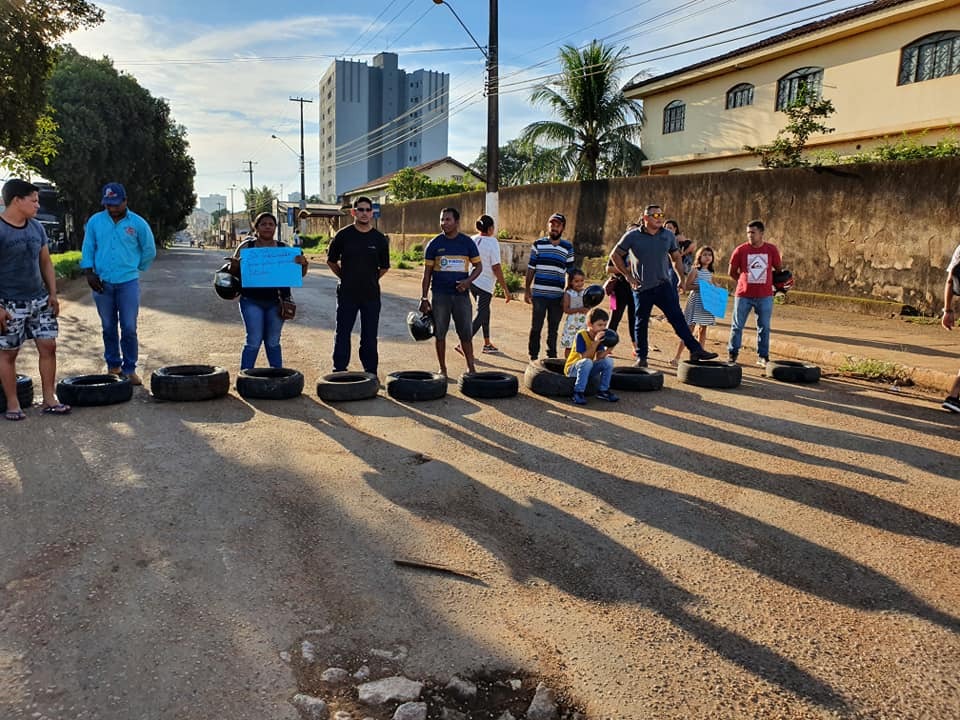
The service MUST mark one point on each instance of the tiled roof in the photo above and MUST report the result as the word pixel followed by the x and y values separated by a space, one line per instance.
pixel 796 32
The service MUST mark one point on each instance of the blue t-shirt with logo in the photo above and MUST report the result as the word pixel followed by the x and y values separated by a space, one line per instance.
pixel 450 259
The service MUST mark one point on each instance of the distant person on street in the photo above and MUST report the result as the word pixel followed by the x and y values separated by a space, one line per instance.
pixel 551 258
pixel 483 287
pixel 589 358
pixel 260 306
pixel 687 248
pixel 28 296
pixel 447 262
pixel 359 255
pixel 950 290
pixel 752 265
pixel 118 245
pixel 652 246
pixel 296 238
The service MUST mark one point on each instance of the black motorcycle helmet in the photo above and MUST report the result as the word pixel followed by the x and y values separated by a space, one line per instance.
pixel 420 325
pixel 782 280
pixel 593 295
pixel 225 284
pixel 610 339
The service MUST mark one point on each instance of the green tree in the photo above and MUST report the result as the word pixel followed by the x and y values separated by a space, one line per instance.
pixel 114 130
pixel 28 32
pixel 408 184
pixel 216 215
pixel 806 116
pixel 520 163
pixel 259 200
pixel 597 127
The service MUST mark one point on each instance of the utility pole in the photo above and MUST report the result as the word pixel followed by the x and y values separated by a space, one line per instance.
pixel 233 232
pixel 493 116
pixel 303 182
pixel 250 164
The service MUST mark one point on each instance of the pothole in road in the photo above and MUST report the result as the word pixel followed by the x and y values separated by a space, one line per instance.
pixel 339 684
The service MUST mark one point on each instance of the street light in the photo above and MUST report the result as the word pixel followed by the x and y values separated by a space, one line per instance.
pixel 493 104
pixel 233 231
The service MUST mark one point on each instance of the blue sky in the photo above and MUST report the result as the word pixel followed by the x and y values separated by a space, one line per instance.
pixel 229 69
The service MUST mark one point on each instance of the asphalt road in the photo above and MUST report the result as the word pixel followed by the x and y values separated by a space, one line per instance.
pixel 771 551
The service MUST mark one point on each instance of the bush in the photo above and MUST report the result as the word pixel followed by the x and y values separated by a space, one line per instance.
pixel 313 242
pixel 66 265
pixel 504 235
pixel 514 283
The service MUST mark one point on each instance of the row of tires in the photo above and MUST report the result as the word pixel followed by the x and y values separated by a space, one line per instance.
pixel 189 383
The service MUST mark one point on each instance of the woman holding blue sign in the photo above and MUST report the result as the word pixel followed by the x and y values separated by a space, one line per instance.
pixel 262 308
pixel 694 312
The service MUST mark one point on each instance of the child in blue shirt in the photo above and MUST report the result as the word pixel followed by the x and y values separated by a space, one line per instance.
pixel 589 358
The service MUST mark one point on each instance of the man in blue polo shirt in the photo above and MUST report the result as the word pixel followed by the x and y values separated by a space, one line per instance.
pixel 446 260
pixel 551 258
pixel 118 245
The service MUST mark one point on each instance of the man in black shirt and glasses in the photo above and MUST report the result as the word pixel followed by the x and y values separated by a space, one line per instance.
pixel 359 255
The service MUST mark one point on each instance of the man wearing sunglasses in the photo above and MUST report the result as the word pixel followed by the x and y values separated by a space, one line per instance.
pixel 652 245
pixel 359 255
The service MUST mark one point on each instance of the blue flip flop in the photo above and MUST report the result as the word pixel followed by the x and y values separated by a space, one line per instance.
pixel 15 415
pixel 58 409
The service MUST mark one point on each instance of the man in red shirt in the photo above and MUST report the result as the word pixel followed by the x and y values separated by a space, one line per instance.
pixel 752 266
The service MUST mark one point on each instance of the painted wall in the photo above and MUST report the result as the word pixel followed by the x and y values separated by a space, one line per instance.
pixel 883 231
pixel 860 74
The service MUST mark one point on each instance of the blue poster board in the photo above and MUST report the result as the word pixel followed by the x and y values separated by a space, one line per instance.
pixel 270 267
pixel 714 298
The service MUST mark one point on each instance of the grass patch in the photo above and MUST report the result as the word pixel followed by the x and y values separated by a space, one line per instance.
pixel 407 259
pixel 875 370
pixel 66 265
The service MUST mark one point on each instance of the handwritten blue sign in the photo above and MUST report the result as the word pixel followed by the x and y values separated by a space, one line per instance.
pixel 270 267
pixel 714 298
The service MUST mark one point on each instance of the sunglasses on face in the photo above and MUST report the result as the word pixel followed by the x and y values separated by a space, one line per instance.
pixel 658 216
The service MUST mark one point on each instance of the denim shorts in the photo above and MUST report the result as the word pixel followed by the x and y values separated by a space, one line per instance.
pixel 30 319
pixel 457 306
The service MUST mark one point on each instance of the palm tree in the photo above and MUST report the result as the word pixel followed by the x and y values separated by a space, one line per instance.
pixel 598 128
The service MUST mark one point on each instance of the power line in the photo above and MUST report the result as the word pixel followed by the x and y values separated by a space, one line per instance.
pixel 368 28
pixel 412 25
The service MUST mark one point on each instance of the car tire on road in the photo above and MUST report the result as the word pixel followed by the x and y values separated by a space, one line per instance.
pixel 792 371
pixel 270 383
pixel 710 374
pixel 189 383
pixel 416 385
pixel 24 393
pixel 93 390
pixel 545 377
pixel 345 385
pixel 636 379
pixel 489 385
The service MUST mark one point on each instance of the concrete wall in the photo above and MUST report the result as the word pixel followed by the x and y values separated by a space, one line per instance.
pixel 861 63
pixel 884 231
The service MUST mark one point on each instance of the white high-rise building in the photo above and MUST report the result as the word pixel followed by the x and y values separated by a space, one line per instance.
pixel 377 119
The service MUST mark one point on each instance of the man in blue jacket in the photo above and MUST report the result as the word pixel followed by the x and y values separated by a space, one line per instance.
pixel 118 245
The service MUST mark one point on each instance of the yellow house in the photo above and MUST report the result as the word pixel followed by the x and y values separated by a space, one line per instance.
pixel 889 67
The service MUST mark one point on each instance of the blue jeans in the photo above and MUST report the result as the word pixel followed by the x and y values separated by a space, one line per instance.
pixel 665 297
pixel 741 309
pixel 263 324
pixel 586 368
pixel 118 306
pixel 347 311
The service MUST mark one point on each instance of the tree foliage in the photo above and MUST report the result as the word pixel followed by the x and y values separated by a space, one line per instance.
pixel 806 116
pixel 28 32
pixel 114 130
pixel 520 163
pixel 259 200
pixel 597 128
pixel 408 184
pixel 907 147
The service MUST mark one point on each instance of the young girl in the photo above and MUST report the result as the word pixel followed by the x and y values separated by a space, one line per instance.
pixel 574 310
pixel 694 311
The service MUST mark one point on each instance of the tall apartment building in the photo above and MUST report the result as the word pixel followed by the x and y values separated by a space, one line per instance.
pixel 377 119
pixel 211 203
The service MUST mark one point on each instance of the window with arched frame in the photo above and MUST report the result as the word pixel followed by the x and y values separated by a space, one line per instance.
pixel 932 56
pixel 788 87
pixel 740 96
pixel 673 117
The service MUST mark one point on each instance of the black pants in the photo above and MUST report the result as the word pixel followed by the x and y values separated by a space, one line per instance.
pixel 665 297
pixel 482 319
pixel 550 309
pixel 623 294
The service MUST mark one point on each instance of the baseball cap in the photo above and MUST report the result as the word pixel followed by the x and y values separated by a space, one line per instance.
pixel 558 217
pixel 113 194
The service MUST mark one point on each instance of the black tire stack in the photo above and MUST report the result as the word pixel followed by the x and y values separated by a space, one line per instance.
pixel 24 393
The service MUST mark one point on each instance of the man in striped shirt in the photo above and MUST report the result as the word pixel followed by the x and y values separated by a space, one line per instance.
pixel 550 260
